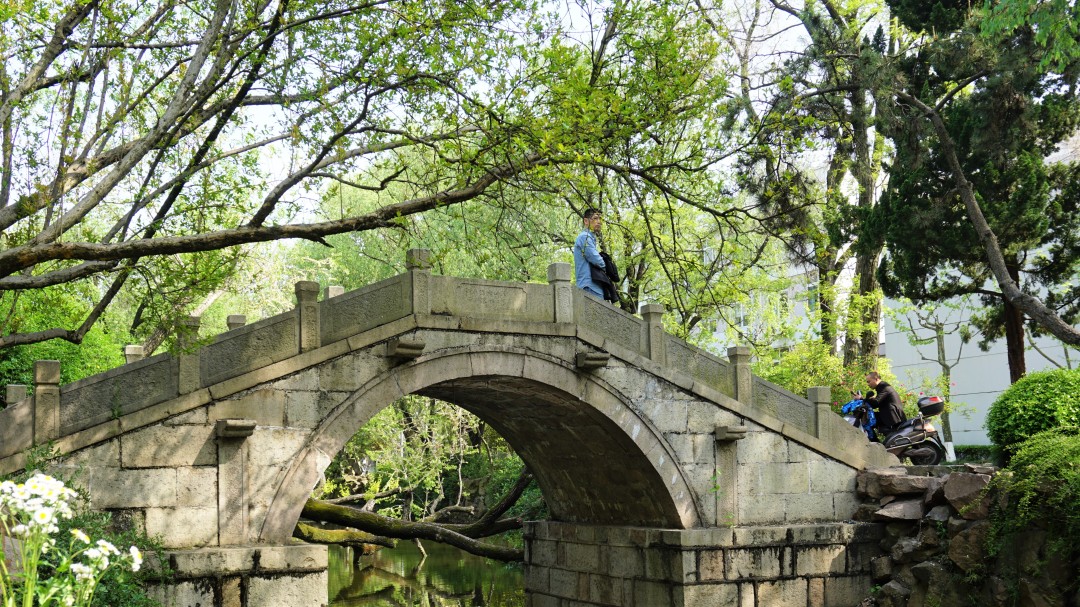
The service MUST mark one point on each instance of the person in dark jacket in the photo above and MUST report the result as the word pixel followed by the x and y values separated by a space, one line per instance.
pixel 884 399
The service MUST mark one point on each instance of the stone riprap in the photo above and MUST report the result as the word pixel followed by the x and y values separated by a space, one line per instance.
pixel 935 551
pixel 622 425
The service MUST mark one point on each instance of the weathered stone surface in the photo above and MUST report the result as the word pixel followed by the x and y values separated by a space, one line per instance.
pixel 939 514
pixel 266 407
pixel 827 476
pixel 967 548
pixel 869 481
pixel 751 563
pixel 782 592
pixel 580 557
pixel 967 494
pixel 881 568
pixel 935 493
pixel 918 548
pixel 117 488
pixel 202 562
pixel 183 594
pixel 844 591
pixel 904 484
pixel 183 527
pixel 16 428
pixel 823 560
pixel 301 557
pixel 981 469
pixel 894 594
pixel 724 595
pixel 169 446
pixel 901 510
pixel 288 590
pixel 196 487
pixel 956 525
pixel 711 565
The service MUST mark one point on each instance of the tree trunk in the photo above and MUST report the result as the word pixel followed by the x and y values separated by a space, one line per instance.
pixel 388 527
pixel 864 346
pixel 1014 341
pixel 346 537
pixel 1032 306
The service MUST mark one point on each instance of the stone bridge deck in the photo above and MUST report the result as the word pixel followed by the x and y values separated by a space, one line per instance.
pixel 624 426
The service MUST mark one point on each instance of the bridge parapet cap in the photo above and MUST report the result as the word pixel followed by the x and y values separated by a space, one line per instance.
pixel 15 393
pixel 418 259
pixel 819 395
pixel 133 353
pixel 187 331
pixel 307 289
pixel 559 272
pixel 47 372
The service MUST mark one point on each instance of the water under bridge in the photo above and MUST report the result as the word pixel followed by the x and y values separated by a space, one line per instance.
pixel 673 477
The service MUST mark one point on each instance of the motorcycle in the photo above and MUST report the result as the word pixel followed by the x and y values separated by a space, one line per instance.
pixel 915 439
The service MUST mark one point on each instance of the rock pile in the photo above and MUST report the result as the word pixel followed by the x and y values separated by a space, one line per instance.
pixel 935 549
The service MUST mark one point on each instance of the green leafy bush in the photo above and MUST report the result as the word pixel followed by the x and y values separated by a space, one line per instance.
pixel 1039 401
pixel 810 363
pixel 1042 485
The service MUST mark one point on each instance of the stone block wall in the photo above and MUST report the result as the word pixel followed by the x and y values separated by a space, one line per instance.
pixel 264 576
pixel 825 565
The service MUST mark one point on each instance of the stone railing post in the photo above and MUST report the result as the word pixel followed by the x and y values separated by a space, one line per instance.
pixel 15 393
pixel 307 314
pixel 190 374
pixel 133 353
pixel 235 321
pixel 418 264
pixel 653 315
pixel 333 291
pixel 821 397
pixel 742 381
pixel 46 401
pixel 559 279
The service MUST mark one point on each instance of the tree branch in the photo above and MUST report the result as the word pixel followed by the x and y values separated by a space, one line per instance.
pixel 387 527
pixel 1030 305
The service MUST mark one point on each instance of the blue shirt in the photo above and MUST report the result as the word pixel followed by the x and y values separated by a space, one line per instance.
pixel 586 252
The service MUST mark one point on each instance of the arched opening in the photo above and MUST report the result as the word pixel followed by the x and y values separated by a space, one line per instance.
pixel 594 458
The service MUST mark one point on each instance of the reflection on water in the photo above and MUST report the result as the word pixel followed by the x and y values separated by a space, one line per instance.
pixel 402 577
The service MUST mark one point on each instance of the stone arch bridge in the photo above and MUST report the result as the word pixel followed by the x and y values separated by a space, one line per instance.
pixel 673 477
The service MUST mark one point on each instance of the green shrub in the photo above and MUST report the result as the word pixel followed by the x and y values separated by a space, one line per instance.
pixel 1042 485
pixel 976 453
pixel 810 363
pixel 1039 401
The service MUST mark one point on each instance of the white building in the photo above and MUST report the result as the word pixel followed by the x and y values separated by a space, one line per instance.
pixel 978 377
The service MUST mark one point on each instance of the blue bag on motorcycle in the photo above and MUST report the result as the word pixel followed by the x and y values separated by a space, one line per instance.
pixel 858 414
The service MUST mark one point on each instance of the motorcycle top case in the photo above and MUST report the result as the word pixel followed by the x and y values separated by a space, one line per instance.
pixel 930 406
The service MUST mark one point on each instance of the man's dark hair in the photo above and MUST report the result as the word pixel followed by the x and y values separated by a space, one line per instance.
pixel 590 213
pixel 874 374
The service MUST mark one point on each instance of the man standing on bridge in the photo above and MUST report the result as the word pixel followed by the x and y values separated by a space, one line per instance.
pixel 590 268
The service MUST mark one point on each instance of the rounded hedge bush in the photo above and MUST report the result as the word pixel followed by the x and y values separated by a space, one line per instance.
pixel 1039 401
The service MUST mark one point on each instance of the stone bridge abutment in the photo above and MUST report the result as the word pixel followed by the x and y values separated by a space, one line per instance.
pixel 673 477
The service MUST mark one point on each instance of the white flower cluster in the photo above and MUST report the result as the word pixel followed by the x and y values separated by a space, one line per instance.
pixel 97 557
pixel 35 505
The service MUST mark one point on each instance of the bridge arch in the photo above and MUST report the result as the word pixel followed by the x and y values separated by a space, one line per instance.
pixel 568 427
